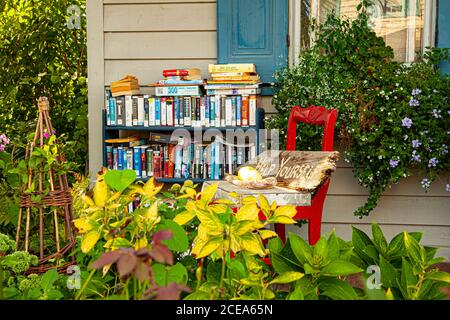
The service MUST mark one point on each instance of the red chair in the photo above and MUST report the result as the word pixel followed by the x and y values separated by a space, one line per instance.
pixel 315 116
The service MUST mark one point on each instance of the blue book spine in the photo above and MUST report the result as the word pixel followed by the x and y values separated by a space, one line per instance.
pixel 212 111
pixel 207 119
pixel 176 107
pixel 119 158
pixel 212 162
pixel 238 110
pixel 157 111
pixel 137 161
pixel 112 111
pixel 178 161
pixel 115 158
pixel 217 161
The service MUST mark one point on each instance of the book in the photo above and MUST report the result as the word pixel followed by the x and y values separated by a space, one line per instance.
pixel 135 111
pixel 245 111
pixel 146 111
pixel 235 78
pixel 178 91
pixel 212 92
pixel 232 67
pixel 252 110
pixel 170 111
pixel 163 112
pixel 137 165
pixel 128 111
pixel 140 111
pixel 107 107
pixel 238 110
pixel 112 111
pixel 120 105
pixel 126 93
pixel 157 111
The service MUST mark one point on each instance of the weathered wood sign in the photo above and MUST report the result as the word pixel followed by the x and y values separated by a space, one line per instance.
pixel 299 170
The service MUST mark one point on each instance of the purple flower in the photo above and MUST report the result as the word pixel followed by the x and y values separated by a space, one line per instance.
pixel 428 149
pixel 407 122
pixel 432 162
pixel 436 113
pixel 414 103
pixel 46 135
pixel 447 187
pixel 425 183
pixel 393 163
pixel 416 91
pixel 415 156
pixel 2 147
pixel 445 149
pixel 416 143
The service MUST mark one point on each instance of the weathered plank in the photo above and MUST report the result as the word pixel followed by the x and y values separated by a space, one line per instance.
pixel 161 45
pixel 160 17
pixel 392 210
pixel 149 71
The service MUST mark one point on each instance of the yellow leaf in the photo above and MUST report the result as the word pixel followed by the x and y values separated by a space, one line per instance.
pixel 151 188
pixel 208 194
pixel 264 204
pixel 100 191
pixel 114 197
pixel 242 227
pixel 141 243
pixel 224 201
pixel 151 213
pixel 88 201
pixel 184 217
pixel 249 200
pixel 252 244
pixel 106 269
pixel 273 207
pixel 188 184
pixel 89 241
pixel 266 234
pixel 247 212
pixel 282 220
pixel 389 295
pixel 288 211
pixel 211 222
pixel 210 246
pixel 190 193
pixel 218 208
pixel 83 225
pixel 234 194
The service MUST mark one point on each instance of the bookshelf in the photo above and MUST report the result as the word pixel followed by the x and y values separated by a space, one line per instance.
pixel 112 132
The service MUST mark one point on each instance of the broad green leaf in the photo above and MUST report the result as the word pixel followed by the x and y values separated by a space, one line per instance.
pixel 287 277
pixel 48 279
pixel 340 268
pixel 438 276
pixel 89 241
pixel 378 238
pixel 165 275
pixel 237 269
pixel 301 249
pixel 408 279
pixel 198 295
pixel 333 246
pixel 119 180
pixel 413 248
pixel 179 241
pixel 337 289
pixel 297 294
pixel 275 245
pixel 117 243
pixel 388 273
pixel 321 248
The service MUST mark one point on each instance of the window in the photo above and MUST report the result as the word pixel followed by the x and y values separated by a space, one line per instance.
pixel 406 25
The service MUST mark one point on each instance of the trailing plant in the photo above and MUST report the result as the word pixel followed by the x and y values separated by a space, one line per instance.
pixel 393 118
pixel 408 269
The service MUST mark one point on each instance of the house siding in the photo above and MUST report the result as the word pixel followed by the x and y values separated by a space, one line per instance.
pixel 142 37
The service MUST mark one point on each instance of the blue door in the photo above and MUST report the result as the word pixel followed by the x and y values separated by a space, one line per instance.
pixel 253 31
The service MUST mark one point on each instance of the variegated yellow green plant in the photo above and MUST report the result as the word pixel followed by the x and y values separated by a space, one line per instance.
pixel 106 213
pixel 222 231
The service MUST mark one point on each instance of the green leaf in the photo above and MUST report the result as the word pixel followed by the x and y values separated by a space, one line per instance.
pixel 321 248
pixel 275 245
pixel 333 247
pixel 438 276
pixel 165 275
pixel 337 289
pixel 372 252
pixel 340 268
pixel 388 273
pixel 197 295
pixel 408 279
pixel 179 241
pixel 301 249
pixel 287 277
pixel 360 241
pixel 117 243
pixel 119 180
pixel 378 238
pixel 297 294
pixel 48 279
pixel 237 269
pixel 413 248
pixel 213 271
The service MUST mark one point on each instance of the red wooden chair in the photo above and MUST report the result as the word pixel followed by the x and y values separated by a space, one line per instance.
pixel 315 116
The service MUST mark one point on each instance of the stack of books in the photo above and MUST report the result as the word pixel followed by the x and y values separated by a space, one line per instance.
pixel 160 157
pixel 238 73
pixel 129 85
pixel 188 76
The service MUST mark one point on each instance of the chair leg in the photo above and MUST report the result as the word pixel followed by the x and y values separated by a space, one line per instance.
pixel 280 229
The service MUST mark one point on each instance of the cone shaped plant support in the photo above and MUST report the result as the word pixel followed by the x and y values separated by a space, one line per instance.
pixel 46 205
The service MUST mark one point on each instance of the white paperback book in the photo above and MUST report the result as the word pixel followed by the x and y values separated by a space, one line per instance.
pixel 128 111
pixel 141 112
pixel 163 112
pixel 151 111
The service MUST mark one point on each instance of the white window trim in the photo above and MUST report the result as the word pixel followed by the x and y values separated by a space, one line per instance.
pixel 428 34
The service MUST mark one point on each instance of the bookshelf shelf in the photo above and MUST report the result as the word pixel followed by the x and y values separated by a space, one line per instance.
pixel 111 132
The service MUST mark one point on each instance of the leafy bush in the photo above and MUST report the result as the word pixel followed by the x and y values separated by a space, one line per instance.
pixel 393 118
pixel 40 55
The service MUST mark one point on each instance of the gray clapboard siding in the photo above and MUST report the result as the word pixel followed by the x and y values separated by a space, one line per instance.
pixel 160 17
pixel 170 45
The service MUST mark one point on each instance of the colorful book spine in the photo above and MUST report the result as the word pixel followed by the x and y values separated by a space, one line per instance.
pixel 120 105
pixel 222 112
pixel 238 110
pixel 143 161
pixel 252 111
pixel 149 162
pixel 137 165
pixel 109 157
pixel 129 159
pixel 128 111
pixel 170 111
pixel 187 111
pixel 171 160
pixel 163 112
pixel 228 111
pixel 107 108
pixel 157 111
pixel 135 110
pixel 176 110
pixel 151 111
pixel 115 159
pixel 207 111
pixel 112 111
pixel 212 111
pixel 178 91
pixel 245 111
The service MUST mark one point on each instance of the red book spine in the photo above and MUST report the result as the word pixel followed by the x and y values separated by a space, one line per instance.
pixel 171 165
pixel 245 111
pixel 175 72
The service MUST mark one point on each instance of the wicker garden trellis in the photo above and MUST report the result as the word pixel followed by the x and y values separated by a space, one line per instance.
pixel 40 204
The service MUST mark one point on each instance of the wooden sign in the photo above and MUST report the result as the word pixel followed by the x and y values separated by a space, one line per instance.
pixel 299 170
